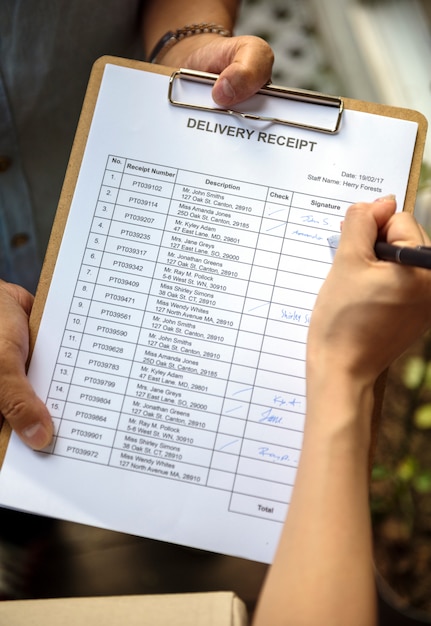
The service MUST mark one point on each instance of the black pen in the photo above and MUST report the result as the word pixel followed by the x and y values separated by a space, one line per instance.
pixel 417 257
pixel 420 256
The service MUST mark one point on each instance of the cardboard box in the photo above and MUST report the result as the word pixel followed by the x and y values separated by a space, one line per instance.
pixel 190 609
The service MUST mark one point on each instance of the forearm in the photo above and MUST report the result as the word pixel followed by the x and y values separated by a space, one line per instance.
pixel 323 572
pixel 162 16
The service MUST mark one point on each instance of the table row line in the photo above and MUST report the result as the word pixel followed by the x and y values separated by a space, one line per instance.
pixel 110 392
pixel 303 253
pixel 164 336
pixel 149 276
pixel 150 179
pixel 163 440
pixel 195 238
pixel 195 425
pixel 164 366
pixel 244 475
pixel 166 213
pixel 244 385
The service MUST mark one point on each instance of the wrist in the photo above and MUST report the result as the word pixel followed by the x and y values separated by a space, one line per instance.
pixel 172 39
pixel 339 408
pixel 180 55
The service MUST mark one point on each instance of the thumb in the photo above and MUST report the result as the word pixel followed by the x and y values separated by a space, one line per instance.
pixel 25 412
pixel 247 65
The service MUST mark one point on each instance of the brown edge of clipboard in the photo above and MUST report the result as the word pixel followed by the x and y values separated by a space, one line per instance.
pixel 71 178
pixel 409 204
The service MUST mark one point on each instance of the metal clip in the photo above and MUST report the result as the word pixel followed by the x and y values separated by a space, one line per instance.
pixel 301 95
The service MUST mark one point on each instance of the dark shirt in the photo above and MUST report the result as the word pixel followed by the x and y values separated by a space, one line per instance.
pixel 47 50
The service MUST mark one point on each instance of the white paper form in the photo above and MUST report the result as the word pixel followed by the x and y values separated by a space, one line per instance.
pixel 171 349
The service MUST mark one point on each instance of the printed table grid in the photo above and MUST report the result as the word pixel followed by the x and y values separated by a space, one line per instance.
pixel 183 354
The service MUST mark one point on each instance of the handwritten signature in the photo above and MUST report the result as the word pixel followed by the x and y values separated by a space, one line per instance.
pixel 266 452
pixel 293 315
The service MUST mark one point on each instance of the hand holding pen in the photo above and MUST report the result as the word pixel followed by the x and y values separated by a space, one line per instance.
pixel 369 311
pixel 415 256
pixel 395 250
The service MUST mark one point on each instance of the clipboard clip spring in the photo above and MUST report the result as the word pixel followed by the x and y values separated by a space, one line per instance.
pixel 301 95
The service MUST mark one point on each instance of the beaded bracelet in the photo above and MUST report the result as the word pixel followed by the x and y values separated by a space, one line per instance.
pixel 172 37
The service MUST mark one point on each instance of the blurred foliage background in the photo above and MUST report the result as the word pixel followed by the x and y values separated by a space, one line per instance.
pixel 400 497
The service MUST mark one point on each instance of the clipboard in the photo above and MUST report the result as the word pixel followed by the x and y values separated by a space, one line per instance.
pixel 338 106
pixel 337 103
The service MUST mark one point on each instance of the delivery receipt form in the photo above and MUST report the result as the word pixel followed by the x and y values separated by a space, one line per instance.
pixel 171 352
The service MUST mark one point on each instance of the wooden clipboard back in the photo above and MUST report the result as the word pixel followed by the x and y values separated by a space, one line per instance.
pixel 74 165
pixel 401 114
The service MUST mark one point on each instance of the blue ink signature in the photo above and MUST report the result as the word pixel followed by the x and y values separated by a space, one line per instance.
pixel 295 316
pixel 279 400
pixel 266 452
pixel 311 219
pixel 270 417
pixel 314 236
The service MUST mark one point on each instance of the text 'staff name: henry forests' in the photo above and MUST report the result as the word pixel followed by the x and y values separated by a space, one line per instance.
pixel 248 133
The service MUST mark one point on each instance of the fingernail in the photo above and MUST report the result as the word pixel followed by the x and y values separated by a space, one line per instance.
pixel 36 436
pixel 386 198
pixel 227 89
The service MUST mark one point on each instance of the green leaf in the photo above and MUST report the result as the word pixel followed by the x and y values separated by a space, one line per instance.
pixel 425 175
pixel 414 372
pixel 422 482
pixel 407 469
pixel 422 417
pixel 380 472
